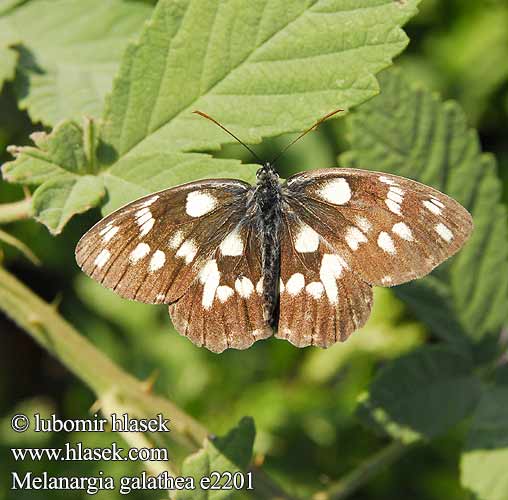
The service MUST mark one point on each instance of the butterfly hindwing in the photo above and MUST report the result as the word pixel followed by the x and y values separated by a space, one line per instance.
pixel 152 249
pixel 223 307
pixel 321 300
pixel 387 229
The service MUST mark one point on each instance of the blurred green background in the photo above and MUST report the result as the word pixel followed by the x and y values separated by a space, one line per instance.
pixel 303 401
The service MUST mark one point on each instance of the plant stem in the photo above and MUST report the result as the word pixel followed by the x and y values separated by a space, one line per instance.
pixel 12 212
pixel 116 390
pixel 364 472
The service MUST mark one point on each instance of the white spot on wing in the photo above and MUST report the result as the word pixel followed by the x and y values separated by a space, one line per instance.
pixel 176 239
pixel 336 191
pixel 331 270
pixel 295 284
pixel 103 231
pixel 147 227
pixel 402 230
pixel 386 280
pixel 108 235
pixel 444 232
pixel 315 289
pixel 244 287
pixel 432 207
pixel 385 242
pixel 199 203
pixel 437 202
pixel 281 285
pixel 354 237
pixel 102 258
pixel 224 292
pixel 150 201
pixel 141 251
pixel 232 244
pixel 387 180
pixel 188 250
pixel 157 261
pixel 394 196
pixel 209 276
pixel 307 239
pixel 363 223
pixel 259 286
pixel 393 206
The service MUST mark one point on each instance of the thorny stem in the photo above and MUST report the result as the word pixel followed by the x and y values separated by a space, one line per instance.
pixel 114 388
pixel 350 483
pixel 12 212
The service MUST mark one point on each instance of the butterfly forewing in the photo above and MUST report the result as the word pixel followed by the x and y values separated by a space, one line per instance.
pixel 152 249
pixel 387 229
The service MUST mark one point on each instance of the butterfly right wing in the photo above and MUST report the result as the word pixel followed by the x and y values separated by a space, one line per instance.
pixel 321 300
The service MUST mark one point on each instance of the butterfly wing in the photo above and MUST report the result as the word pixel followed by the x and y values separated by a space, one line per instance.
pixel 151 250
pixel 387 229
pixel 321 300
pixel 223 307
pixel 192 247
pixel 345 230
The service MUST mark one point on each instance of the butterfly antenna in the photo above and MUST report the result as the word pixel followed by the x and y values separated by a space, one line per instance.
pixel 310 129
pixel 208 117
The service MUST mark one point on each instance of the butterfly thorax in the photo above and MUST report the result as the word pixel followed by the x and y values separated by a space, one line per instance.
pixel 268 214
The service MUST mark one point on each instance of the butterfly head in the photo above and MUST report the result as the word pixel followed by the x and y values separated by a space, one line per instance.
pixel 266 172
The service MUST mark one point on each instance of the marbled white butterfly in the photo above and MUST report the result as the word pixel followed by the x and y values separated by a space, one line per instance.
pixel 237 262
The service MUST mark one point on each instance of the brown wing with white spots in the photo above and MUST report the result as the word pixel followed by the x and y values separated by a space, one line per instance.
pixel 387 229
pixel 152 249
pixel 223 307
pixel 321 300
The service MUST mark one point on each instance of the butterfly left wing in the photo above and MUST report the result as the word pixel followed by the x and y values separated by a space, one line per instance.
pixel 153 248
pixel 223 307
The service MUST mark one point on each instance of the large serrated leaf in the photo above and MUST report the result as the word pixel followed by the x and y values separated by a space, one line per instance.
pixel 409 131
pixel 421 395
pixel 484 461
pixel 231 453
pixel 66 68
pixel 261 67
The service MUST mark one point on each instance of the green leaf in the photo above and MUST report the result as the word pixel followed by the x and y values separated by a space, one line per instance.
pixel 231 453
pixel 248 63
pixel 56 201
pixel 8 56
pixel 484 461
pixel 61 167
pixel 408 131
pixel 421 395
pixel 70 53
pixel 279 64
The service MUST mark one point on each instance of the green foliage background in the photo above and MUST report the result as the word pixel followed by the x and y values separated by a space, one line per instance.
pixel 414 405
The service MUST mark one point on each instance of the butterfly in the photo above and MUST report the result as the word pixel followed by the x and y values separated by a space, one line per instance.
pixel 237 263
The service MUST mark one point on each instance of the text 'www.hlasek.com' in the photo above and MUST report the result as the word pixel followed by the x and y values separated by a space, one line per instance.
pixel 155 460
